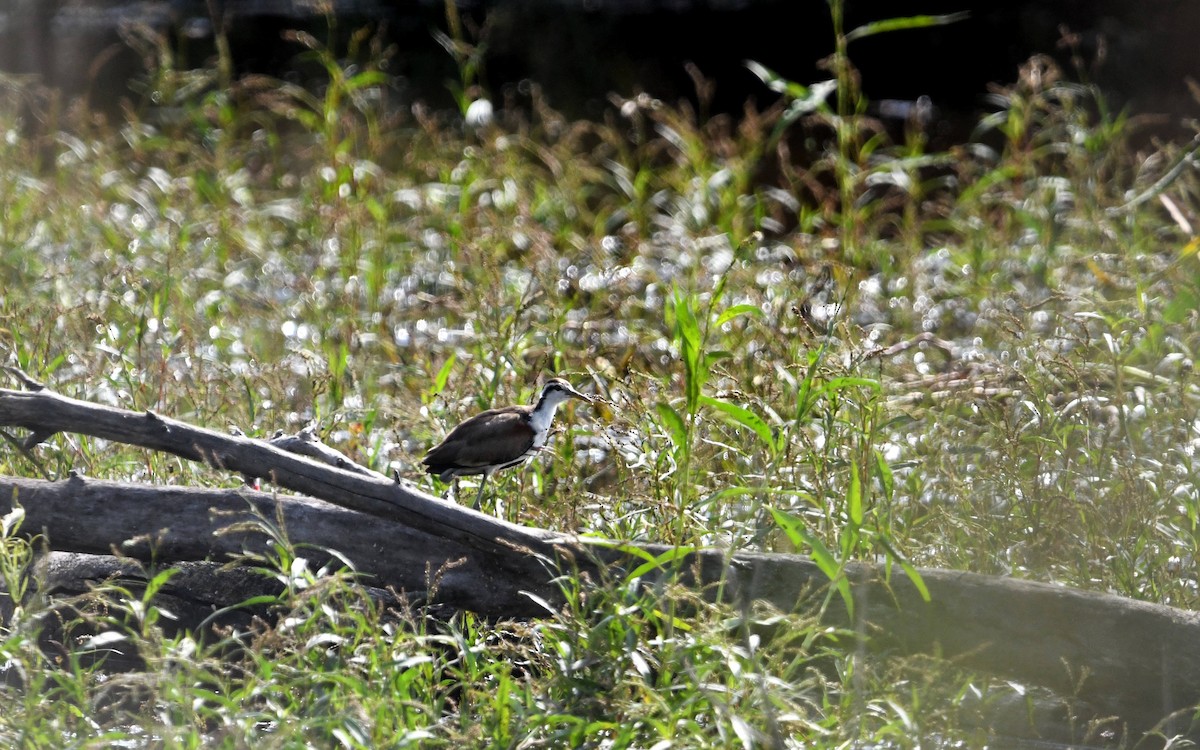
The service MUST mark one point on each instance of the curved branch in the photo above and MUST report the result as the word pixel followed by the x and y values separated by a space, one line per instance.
pixel 45 412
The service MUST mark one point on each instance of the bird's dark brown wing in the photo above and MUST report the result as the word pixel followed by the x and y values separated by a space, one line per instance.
pixel 491 438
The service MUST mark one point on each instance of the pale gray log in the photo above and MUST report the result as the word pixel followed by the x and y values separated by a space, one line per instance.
pixel 45 413
pixel 168 523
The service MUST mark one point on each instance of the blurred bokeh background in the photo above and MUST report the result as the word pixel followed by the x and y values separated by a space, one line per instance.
pixel 580 50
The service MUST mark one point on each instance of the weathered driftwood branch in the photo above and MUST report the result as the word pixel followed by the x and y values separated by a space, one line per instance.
pixel 149 522
pixel 1138 660
pixel 306 443
pixel 45 413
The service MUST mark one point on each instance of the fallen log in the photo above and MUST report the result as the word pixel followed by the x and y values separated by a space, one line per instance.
pixel 147 522
pixel 1136 660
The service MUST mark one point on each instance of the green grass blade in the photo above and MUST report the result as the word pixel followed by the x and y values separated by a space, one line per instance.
pixel 687 329
pixel 801 537
pixel 902 24
pixel 629 549
pixel 910 570
pixel 1183 305
pixel 744 417
pixel 660 561
pixel 254 601
pixel 737 310
pixel 443 374
pixel 367 79
pixel 651 561
pixel 157 582
pixel 835 385
pixel 808 392
pixel 854 497
pixel 805 99
pixel 685 321
pixel 674 424
pixel 886 478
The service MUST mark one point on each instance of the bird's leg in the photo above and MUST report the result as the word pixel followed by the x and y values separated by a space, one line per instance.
pixel 479 497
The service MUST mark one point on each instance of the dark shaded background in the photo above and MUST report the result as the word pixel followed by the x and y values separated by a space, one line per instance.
pixel 580 50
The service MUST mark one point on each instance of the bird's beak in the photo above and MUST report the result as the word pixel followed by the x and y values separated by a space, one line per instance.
pixel 581 396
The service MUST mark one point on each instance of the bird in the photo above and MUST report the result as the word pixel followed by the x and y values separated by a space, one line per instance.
pixel 498 438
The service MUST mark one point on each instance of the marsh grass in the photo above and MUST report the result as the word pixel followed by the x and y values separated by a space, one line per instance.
pixel 267 257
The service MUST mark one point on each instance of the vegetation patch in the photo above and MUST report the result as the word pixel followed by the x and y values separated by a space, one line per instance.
pixel 814 333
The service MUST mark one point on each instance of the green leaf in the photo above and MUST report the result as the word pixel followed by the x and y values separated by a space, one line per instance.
pixel 745 418
pixel 910 570
pixel 367 78
pixel 814 102
pixel 886 478
pixel 807 396
pixel 805 99
pixel 254 601
pixel 733 312
pixel 377 211
pixel 915 576
pixel 652 562
pixel 1182 306
pixel 685 320
pixel 776 82
pixel 675 425
pixel 854 497
pixel 443 375
pixel 687 330
pixel 801 537
pixel 671 555
pixel 157 582
pixel 902 24
pixel 837 384
pixel 845 383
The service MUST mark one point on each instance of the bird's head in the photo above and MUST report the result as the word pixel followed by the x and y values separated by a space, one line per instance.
pixel 557 390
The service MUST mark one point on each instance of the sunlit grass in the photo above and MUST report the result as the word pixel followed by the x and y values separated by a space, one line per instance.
pixel 264 257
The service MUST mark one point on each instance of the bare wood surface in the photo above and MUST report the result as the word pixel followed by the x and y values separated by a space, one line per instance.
pixel 149 522
pixel 306 443
pixel 1135 659
pixel 44 413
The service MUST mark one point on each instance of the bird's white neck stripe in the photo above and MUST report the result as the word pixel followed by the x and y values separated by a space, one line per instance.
pixel 543 413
